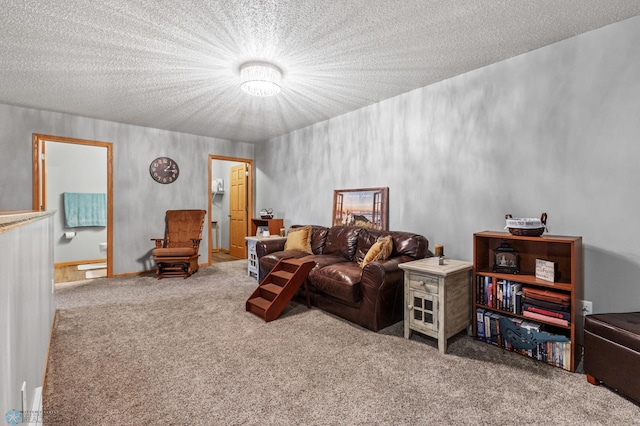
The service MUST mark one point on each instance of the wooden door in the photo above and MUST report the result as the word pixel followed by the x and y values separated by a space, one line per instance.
pixel 238 211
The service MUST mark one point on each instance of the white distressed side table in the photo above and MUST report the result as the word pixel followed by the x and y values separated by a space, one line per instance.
pixel 253 267
pixel 437 298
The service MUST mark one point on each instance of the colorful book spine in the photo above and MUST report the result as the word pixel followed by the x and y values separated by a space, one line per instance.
pixel 486 295
pixel 480 324
pixel 547 312
pixel 494 328
pixel 490 298
pixel 487 326
pixel 545 318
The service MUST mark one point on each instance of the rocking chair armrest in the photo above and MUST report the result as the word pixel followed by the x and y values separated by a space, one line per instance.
pixel 159 242
pixel 196 242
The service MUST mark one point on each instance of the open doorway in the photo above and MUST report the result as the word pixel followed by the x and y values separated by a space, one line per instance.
pixel 78 172
pixel 230 207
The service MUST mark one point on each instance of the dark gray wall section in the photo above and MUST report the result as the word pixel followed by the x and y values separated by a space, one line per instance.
pixel 555 130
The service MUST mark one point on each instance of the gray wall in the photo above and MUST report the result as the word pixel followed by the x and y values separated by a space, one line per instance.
pixel 75 168
pixel 27 307
pixel 555 130
pixel 139 203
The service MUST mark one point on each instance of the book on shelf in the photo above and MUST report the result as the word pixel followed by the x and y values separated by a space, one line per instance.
pixel 480 324
pixel 546 304
pixel 545 318
pixel 487 326
pixel 496 338
pixel 518 301
pixel 480 290
pixel 499 338
pixel 547 295
pixel 548 312
pixel 486 281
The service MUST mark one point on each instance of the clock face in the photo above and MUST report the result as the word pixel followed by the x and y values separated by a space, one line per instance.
pixel 164 170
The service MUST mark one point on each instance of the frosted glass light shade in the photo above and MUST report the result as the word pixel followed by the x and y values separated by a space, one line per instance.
pixel 260 78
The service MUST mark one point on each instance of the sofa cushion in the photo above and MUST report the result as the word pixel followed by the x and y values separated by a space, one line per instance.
pixel 322 260
pixel 318 237
pixel 274 257
pixel 339 280
pixel 342 241
pixel 380 250
pixel 174 251
pixel 404 243
pixel 299 239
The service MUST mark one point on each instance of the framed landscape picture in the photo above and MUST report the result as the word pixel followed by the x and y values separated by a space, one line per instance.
pixel 366 207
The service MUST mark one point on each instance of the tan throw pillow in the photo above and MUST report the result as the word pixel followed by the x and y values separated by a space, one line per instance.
pixel 299 239
pixel 380 250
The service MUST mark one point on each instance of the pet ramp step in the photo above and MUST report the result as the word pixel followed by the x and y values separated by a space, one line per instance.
pixel 281 284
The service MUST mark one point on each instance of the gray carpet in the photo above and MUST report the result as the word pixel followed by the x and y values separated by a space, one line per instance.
pixel 138 351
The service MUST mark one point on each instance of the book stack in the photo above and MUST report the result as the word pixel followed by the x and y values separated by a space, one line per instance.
pixel 545 305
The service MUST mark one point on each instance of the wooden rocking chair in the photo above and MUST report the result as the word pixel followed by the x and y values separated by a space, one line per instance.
pixel 177 253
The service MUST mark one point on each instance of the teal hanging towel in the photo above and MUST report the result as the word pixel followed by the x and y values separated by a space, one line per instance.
pixel 85 209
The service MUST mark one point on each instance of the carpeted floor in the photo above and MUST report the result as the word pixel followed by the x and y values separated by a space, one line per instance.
pixel 138 351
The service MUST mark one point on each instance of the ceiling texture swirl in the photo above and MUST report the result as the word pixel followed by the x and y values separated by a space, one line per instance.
pixel 175 64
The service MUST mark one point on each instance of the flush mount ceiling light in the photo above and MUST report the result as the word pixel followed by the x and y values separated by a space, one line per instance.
pixel 260 78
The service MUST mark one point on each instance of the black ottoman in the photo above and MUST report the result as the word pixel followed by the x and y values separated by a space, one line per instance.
pixel 612 351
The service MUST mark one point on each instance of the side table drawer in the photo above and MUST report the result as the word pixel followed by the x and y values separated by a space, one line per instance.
pixel 427 283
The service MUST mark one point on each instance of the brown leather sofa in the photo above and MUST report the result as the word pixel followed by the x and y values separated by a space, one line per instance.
pixel 371 297
pixel 612 351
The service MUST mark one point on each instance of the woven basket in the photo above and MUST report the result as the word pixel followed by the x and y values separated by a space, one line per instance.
pixel 266 214
pixel 526 231
pixel 535 232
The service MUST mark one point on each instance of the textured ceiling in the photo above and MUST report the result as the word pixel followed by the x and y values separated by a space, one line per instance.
pixel 174 64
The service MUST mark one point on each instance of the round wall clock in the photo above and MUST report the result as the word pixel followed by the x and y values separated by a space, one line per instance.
pixel 164 170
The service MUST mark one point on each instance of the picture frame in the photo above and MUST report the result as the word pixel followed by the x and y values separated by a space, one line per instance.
pixel 365 207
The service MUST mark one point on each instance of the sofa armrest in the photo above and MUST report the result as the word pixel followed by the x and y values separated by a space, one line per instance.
pixel 382 293
pixel 264 247
pixel 378 274
pixel 378 268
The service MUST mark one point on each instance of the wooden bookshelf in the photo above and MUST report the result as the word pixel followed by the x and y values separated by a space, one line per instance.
pixel 565 251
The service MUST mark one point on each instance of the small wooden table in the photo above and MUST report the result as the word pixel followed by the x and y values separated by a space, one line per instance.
pixel 437 298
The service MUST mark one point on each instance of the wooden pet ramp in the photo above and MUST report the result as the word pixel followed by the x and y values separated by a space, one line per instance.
pixel 278 288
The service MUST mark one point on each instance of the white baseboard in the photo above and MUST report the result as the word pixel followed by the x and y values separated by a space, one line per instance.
pixel 90 266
